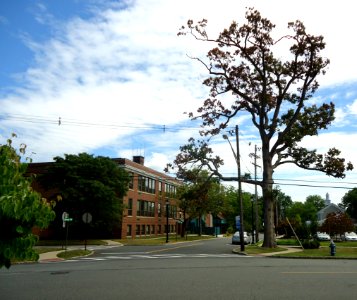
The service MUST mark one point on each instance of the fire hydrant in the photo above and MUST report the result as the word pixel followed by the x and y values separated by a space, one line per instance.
pixel 332 248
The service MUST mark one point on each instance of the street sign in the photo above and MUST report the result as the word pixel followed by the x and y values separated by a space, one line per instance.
pixel 87 217
pixel 68 219
pixel 238 222
pixel 65 215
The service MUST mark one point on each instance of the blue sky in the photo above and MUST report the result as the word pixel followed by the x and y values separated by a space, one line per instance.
pixel 112 78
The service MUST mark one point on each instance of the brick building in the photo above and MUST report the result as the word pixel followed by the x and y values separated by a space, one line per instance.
pixel 150 193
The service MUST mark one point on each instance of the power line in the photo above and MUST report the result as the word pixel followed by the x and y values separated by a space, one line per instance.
pixel 60 121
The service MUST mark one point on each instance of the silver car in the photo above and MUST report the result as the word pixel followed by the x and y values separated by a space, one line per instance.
pixel 236 238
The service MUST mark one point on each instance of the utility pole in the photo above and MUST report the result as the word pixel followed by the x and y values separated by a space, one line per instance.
pixel 239 179
pixel 256 196
pixel 240 200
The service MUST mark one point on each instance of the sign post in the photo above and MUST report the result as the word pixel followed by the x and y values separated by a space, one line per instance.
pixel 86 218
pixel 65 219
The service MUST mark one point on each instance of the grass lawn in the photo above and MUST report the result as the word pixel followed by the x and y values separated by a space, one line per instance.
pixel 255 249
pixel 150 241
pixel 341 252
pixel 69 242
pixel 73 253
pixel 40 250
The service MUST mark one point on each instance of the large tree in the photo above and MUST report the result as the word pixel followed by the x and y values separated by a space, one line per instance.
pixel 199 195
pixel 87 184
pixel 349 202
pixel 246 77
pixel 21 208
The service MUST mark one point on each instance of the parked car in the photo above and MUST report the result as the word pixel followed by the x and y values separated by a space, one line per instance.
pixel 349 236
pixel 236 238
pixel 322 236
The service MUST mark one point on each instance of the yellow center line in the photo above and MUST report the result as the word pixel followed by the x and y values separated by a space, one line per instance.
pixel 173 248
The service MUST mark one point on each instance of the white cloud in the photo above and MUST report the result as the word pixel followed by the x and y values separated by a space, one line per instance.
pixel 109 76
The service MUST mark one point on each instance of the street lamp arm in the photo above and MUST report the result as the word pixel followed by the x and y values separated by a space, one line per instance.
pixel 249 181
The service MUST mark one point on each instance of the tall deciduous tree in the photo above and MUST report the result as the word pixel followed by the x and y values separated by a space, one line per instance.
pixel 349 202
pixel 21 208
pixel 88 184
pixel 274 93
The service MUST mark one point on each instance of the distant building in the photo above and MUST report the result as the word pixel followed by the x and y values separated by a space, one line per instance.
pixel 150 192
pixel 328 209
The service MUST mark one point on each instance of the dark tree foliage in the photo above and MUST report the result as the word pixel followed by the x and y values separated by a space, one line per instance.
pixel 199 195
pixel 275 94
pixel 349 202
pixel 337 224
pixel 21 208
pixel 87 184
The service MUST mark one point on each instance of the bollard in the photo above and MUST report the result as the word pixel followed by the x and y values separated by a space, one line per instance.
pixel 332 248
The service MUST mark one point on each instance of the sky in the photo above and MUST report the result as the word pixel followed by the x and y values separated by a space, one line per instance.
pixel 112 78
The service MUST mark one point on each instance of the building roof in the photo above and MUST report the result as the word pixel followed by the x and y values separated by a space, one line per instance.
pixel 136 165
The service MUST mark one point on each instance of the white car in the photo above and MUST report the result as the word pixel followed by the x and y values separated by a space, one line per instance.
pixel 350 236
pixel 236 238
pixel 323 236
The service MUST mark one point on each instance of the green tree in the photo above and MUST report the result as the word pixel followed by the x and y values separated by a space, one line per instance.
pixel 316 201
pixel 200 195
pixel 275 95
pixel 349 202
pixel 88 184
pixel 21 208
pixel 303 218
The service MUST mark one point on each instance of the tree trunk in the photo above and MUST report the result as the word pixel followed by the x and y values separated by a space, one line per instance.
pixel 269 212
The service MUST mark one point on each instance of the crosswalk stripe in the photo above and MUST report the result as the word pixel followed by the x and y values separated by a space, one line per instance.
pixel 123 256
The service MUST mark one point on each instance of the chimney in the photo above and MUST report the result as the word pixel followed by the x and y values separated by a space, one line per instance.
pixel 138 159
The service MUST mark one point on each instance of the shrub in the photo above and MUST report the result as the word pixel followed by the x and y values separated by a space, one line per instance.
pixel 311 244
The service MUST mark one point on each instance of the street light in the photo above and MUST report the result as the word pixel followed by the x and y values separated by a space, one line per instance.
pixel 240 200
pixel 167 220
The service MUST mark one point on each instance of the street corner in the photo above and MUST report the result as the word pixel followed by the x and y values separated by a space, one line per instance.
pixel 50 257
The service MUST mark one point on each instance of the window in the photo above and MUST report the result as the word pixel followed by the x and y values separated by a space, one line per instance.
pixel 160 188
pixel 152 229
pixel 137 230
pixel 128 230
pixel 130 207
pixel 131 182
pixel 159 229
pixel 145 208
pixel 170 190
pixel 147 230
pixel 143 229
pixel 172 211
pixel 146 184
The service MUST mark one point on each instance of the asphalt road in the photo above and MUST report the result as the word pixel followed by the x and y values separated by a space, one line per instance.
pixel 185 275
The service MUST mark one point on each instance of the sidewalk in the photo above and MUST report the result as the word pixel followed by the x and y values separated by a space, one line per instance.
pixel 288 250
pixel 50 256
